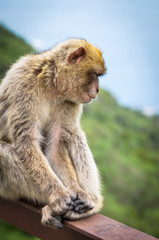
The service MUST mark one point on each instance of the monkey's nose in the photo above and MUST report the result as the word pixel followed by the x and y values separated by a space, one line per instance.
pixel 97 90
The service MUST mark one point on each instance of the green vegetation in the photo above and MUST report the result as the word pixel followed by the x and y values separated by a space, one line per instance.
pixel 9 232
pixel 125 145
pixel 11 48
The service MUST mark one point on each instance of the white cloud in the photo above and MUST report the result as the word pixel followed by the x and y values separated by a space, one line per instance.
pixel 149 111
pixel 38 43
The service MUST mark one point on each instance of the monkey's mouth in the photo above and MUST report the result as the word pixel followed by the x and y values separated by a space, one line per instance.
pixel 86 97
pixel 84 102
pixel 89 99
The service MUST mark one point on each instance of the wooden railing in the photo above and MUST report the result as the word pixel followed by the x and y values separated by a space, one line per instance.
pixel 28 218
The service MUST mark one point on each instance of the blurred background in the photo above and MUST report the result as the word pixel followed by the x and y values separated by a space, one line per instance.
pixel 122 125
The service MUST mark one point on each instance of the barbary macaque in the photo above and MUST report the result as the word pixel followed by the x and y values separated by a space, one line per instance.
pixel 44 155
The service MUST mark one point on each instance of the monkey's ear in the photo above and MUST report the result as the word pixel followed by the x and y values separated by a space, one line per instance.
pixel 77 56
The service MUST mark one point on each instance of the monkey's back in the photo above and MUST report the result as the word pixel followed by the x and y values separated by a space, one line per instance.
pixel 9 88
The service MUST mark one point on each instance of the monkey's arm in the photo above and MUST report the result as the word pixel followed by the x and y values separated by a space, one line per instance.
pixel 87 173
pixel 61 163
pixel 24 129
pixel 86 169
pixel 58 197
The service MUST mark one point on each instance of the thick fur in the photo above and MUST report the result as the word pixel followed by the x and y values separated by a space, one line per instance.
pixel 44 156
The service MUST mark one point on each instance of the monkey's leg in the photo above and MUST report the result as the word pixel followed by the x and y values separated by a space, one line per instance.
pixel 15 183
pixel 87 173
pixel 28 150
pixel 63 167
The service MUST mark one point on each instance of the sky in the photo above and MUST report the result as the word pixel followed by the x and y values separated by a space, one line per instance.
pixel 126 31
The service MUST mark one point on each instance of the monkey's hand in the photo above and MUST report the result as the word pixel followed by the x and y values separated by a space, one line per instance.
pixel 72 215
pixel 60 202
pixel 82 201
pixel 49 220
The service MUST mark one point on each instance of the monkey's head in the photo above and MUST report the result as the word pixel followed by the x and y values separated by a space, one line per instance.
pixel 79 64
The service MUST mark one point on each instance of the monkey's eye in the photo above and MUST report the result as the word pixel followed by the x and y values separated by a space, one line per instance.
pixel 98 74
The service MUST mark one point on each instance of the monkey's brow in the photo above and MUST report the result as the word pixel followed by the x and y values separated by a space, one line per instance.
pixel 99 74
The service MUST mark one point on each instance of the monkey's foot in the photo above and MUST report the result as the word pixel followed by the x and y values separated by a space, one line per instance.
pixel 49 220
pixel 82 202
pixel 72 215
pixel 60 203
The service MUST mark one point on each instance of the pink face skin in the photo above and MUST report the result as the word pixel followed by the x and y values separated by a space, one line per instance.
pixel 91 91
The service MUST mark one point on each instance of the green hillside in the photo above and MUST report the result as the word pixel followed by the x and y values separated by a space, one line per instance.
pixel 11 47
pixel 125 145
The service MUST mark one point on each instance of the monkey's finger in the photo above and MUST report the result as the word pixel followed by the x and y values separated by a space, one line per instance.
pixel 67 202
pixel 58 217
pixel 71 203
pixel 55 225
pixel 70 207
pixel 60 207
pixel 83 207
pixel 82 210
pixel 80 207
pixel 78 202
pixel 52 222
pixel 73 198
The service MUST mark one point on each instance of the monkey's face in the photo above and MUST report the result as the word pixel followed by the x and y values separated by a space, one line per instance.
pixel 90 89
pixel 82 72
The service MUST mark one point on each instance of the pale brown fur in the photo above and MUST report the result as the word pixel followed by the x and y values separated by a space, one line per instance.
pixel 44 156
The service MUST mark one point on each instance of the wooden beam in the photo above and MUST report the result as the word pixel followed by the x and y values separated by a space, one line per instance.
pixel 28 218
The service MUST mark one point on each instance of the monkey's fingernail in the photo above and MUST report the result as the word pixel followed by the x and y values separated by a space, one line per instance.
pixel 82 211
pixel 71 203
pixel 58 218
pixel 60 225
pixel 78 202
pixel 77 209
pixel 71 206
pixel 73 198
pixel 91 207
pixel 74 205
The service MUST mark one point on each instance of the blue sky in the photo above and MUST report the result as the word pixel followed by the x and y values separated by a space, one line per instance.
pixel 126 31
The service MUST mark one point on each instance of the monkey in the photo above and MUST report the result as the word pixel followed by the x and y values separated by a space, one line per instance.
pixel 44 154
